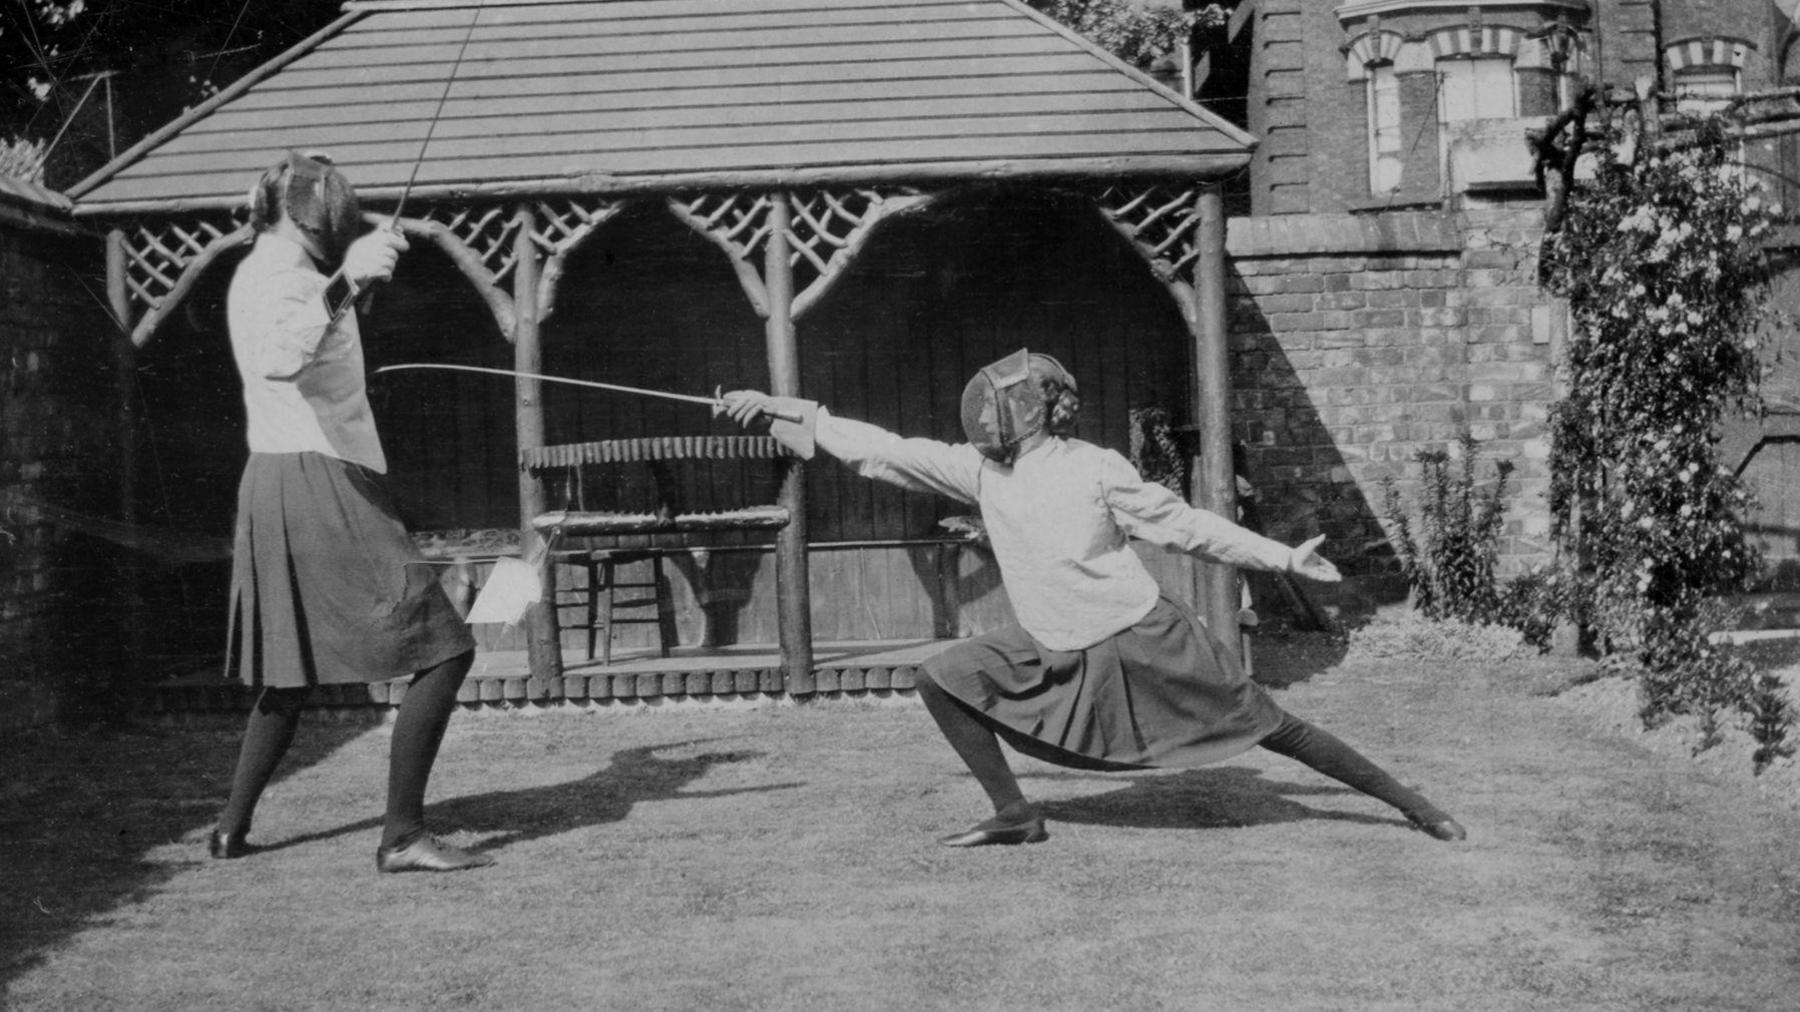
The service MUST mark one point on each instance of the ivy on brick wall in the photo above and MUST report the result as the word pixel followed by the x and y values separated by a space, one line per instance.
pixel 1663 266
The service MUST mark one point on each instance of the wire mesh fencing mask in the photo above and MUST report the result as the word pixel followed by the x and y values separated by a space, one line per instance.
pixel 315 196
pixel 1004 404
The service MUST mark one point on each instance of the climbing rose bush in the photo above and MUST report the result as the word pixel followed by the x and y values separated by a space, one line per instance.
pixel 1663 266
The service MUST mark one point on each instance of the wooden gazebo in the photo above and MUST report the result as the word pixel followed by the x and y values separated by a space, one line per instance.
pixel 783 131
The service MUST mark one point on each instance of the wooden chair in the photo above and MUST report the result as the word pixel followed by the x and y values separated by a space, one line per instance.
pixel 602 596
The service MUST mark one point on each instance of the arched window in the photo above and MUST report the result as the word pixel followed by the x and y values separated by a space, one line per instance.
pixel 1706 73
pixel 1371 57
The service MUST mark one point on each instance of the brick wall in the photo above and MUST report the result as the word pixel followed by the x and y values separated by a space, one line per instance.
pixel 56 396
pixel 1278 111
pixel 1628 40
pixel 1360 340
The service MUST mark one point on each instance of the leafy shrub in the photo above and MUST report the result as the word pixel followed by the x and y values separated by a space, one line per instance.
pixel 1157 450
pixel 1449 561
pixel 1538 601
pixel 1132 32
pixel 1413 636
pixel 1771 718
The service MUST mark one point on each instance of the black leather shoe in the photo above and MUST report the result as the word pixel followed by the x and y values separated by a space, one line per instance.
pixel 994 831
pixel 1446 829
pixel 428 853
pixel 225 846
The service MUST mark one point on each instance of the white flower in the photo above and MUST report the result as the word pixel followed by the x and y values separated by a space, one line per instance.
pixel 1642 219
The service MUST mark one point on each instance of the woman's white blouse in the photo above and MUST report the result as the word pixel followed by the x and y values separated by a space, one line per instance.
pixel 304 388
pixel 1059 519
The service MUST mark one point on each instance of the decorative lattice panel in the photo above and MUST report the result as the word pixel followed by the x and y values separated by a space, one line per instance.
pixel 824 232
pixel 488 231
pixel 1162 221
pixel 158 254
pixel 824 228
pixel 559 228
pixel 563 225
pixel 739 222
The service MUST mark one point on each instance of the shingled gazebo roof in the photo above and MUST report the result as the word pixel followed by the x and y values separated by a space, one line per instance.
pixel 615 96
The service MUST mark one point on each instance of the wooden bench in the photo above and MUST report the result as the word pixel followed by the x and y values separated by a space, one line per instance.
pixel 599 593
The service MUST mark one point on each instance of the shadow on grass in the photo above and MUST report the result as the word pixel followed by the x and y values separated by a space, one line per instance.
pixel 81 810
pixel 1201 799
pixel 607 795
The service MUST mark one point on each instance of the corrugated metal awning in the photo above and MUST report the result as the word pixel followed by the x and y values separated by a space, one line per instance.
pixel 602 96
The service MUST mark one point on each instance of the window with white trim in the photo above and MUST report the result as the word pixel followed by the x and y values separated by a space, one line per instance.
pixel 1386 160
pixel 1479 88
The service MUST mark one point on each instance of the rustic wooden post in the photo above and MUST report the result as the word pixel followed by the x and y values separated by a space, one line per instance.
pixel 793 596
pixel 543 647
pixel 125 427
pixel 1217 485
pixel 125 367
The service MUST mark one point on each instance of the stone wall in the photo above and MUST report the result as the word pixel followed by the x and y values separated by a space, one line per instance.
pixel 56 411
pixel 1361 340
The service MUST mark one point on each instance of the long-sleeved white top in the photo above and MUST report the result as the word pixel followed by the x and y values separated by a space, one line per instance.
pixel 1059 519
pixel 304 388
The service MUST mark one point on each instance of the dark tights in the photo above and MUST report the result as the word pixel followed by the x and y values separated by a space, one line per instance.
pixel 977 742
pixel 978 746
pixel 1323 751
pixel 418 731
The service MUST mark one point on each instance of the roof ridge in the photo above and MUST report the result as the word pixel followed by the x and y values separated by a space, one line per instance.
pixel 381 65
pixel 261 73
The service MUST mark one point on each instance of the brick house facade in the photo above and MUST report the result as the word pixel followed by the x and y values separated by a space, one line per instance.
pixel 1385 299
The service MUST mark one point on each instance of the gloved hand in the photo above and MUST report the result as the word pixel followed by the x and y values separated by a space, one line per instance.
pixel 743 406
pixel 372 257
pixel 1306 561
pixel 791 420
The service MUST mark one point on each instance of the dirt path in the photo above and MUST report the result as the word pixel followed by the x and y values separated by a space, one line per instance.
pixel 780 858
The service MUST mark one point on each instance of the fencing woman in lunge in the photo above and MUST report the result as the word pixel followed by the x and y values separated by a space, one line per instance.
pixel 1101 671
pixel 326 585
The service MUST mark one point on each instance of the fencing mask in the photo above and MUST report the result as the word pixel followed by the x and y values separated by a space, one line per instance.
pixel 1004 403
pixel 317 198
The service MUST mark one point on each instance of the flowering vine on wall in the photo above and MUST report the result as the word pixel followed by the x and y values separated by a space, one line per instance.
pixel 1663 265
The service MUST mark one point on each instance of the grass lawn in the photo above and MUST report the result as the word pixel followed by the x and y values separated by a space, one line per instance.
pixel 780 857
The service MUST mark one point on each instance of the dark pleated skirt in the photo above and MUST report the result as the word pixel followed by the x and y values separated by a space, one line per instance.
pixel 326 585
pixel 1162 693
